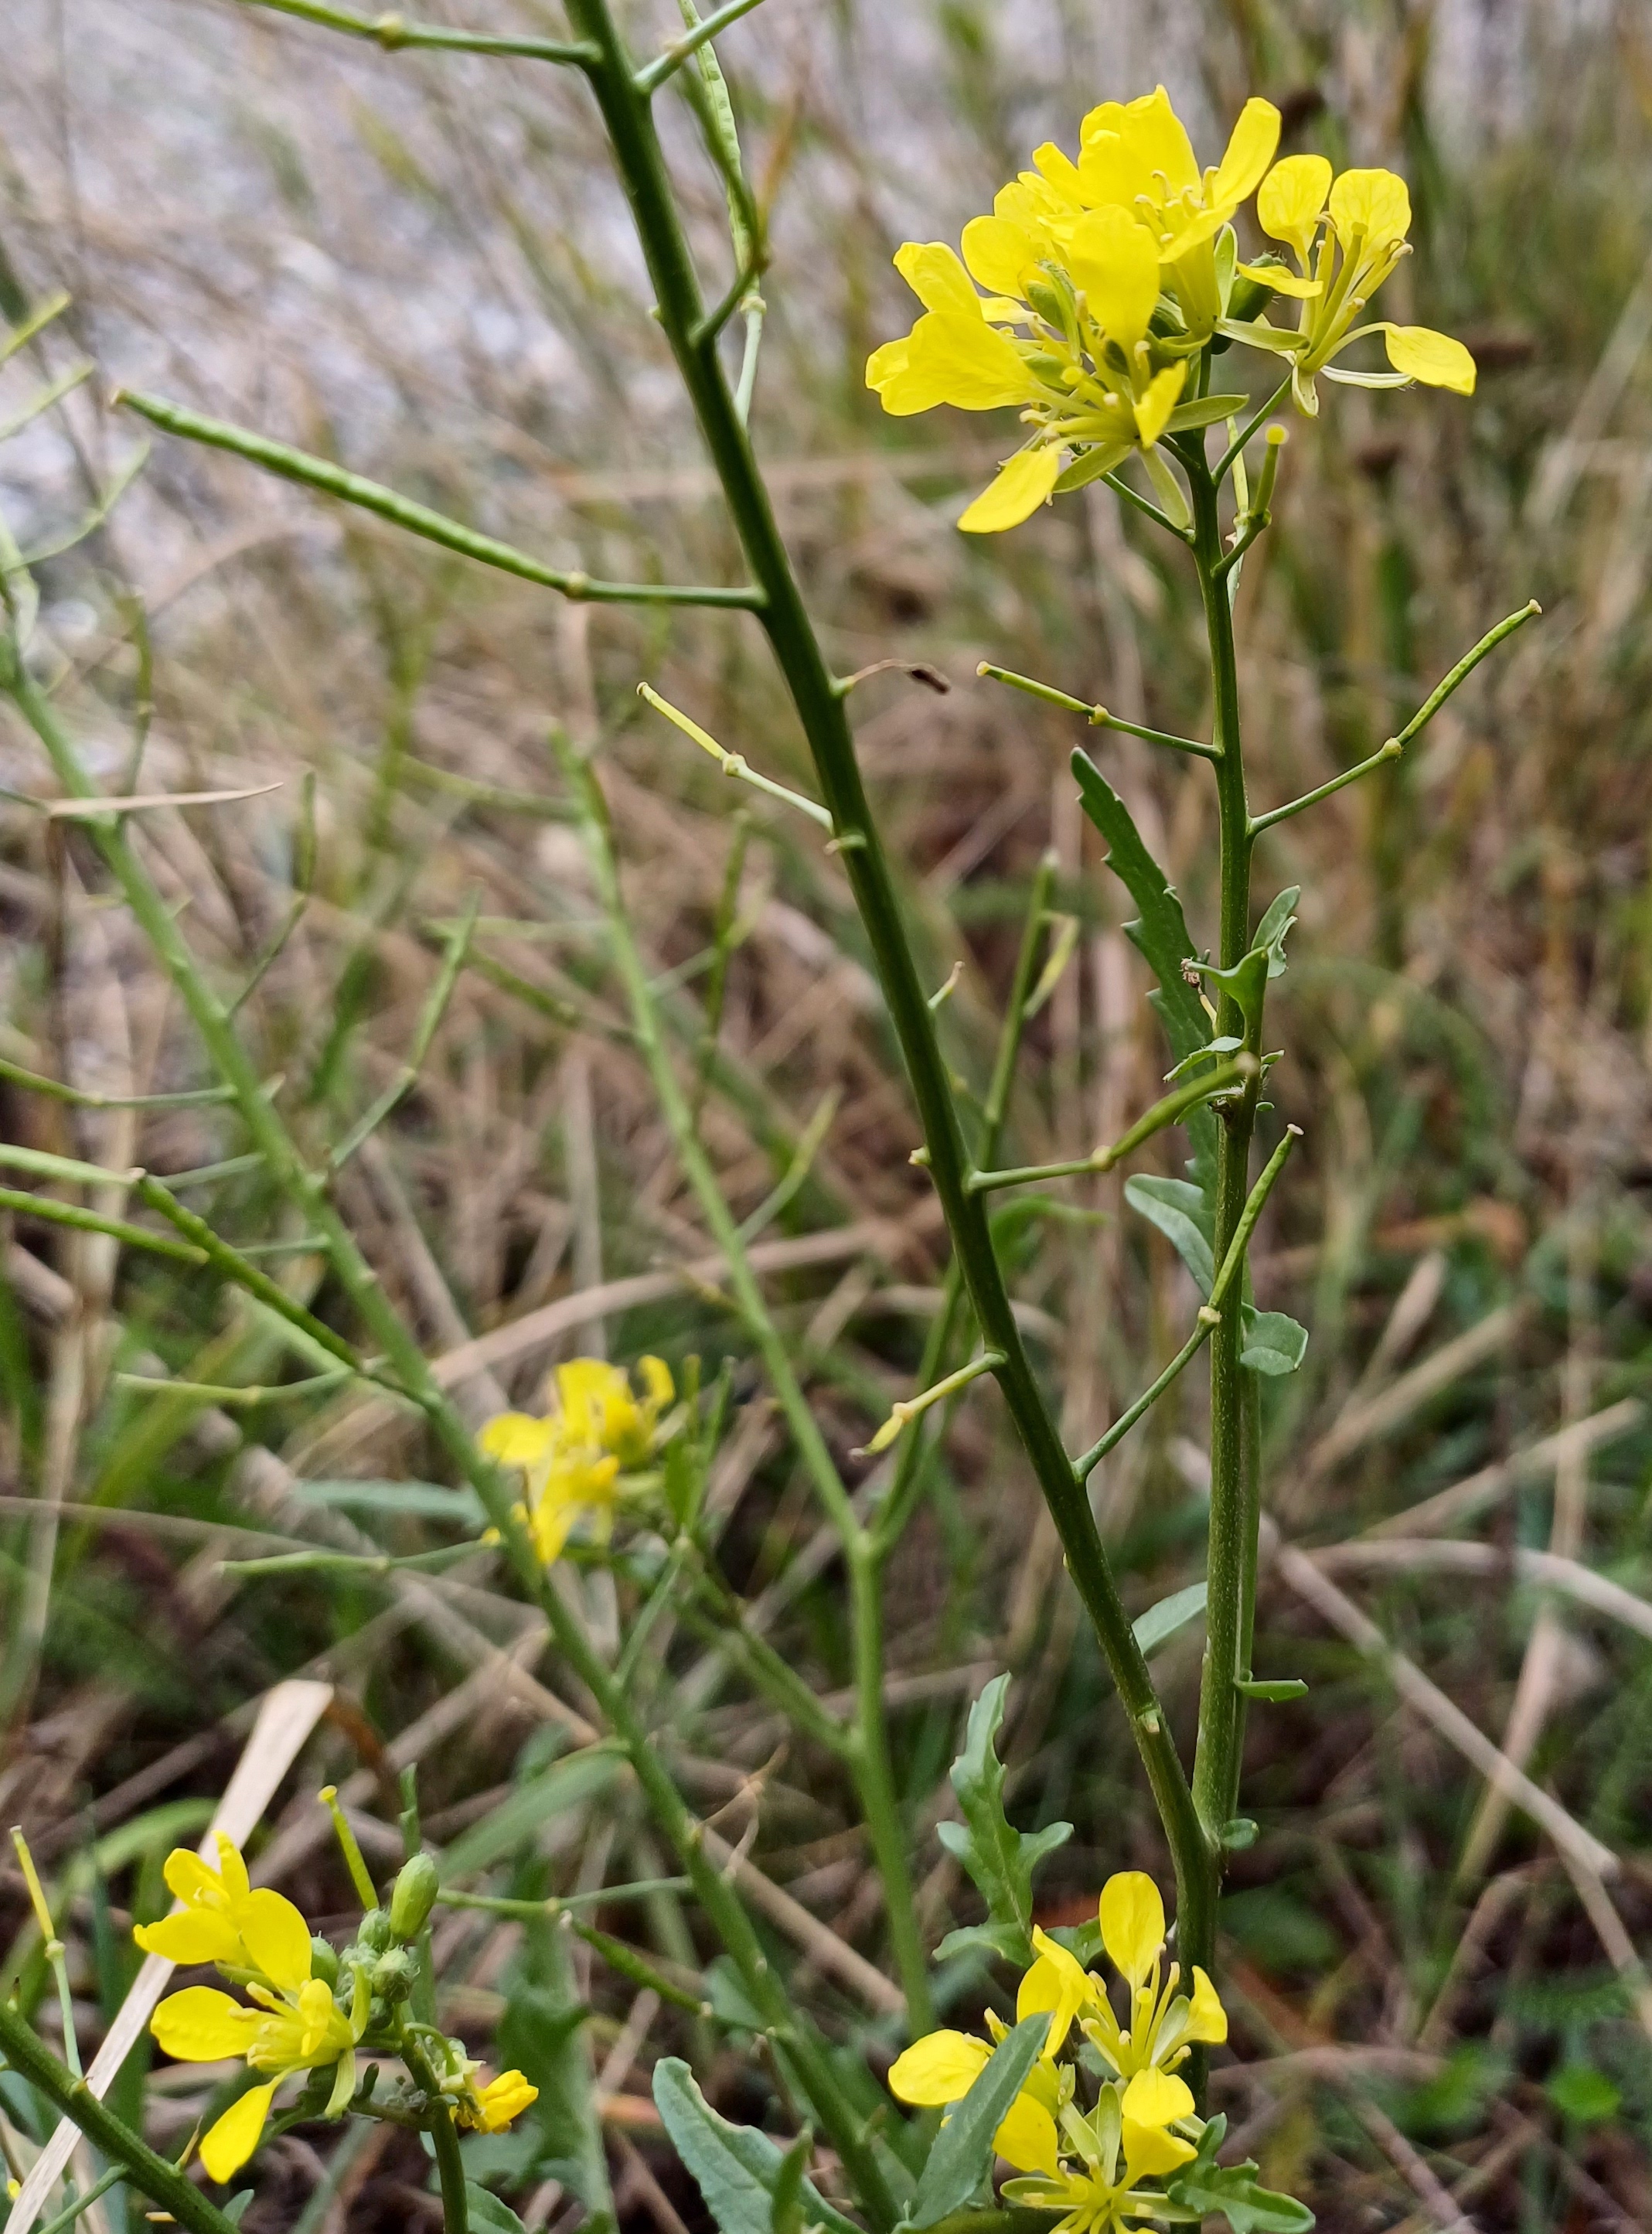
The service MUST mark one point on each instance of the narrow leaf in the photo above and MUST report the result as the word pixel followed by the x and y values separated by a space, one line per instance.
pixel 1161 1622
pixel 1182 1214
pixel 1274 1689
pixel 737 2169
pixel 1160 934
pixel 962 2155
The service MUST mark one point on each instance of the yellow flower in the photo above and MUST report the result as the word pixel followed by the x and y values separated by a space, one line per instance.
pixel 940 2070
pixel 573 1457
pixel 223 1920
pixel 1163 2024
pixel 1102 280
pixel 1137 155
pixel 1365 215
pixel 489 2109
pixel 297 2026
pixel 1127 2139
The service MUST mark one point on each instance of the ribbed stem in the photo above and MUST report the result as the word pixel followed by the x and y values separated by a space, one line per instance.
pixel 820 708
pixel 1232 1559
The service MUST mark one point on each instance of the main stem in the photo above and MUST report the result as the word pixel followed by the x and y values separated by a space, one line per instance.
pixel 1231 1560
pixel 819 706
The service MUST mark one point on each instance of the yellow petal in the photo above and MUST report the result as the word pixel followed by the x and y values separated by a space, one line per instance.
pixel 933 273
pixel 198 1935
pixel 1059 171
pixel 191 1879
pixel 1249 151
pixel 553 1521
pixel 1027 2137
pixel 1281 281
pixel 1158 2097
pixel 1158 138
pixel 589 1392
pixel 1149 2151
pixel 1436 359
pixel 939 2068
pixel 1290 200
pixel 657 1379
pixel 1374 203
pixel 1115 260
pixel 1057 1982
pixel 516 1439
pixel 200 2025
pixel 228 2143
pixel 1132 1922
pixel 500 2100
pixel 230 1868
pixel 277 1938
pixel 1020 487
pixel 999 254
pixel 889 374
pixel 975 367
pixel 1206 2018
pixel 1153 408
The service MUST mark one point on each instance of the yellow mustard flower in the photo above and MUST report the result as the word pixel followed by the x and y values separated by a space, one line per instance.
pixel 1365 215
pixel 1137 154
pixel 572 1458
pixel 1131 2134
pixel 221 1919
pixel 941 2068
pixel 1163 2024
pixel 1125 2140
pixel 489 2109
pixel 297 2026
pixel 1101 279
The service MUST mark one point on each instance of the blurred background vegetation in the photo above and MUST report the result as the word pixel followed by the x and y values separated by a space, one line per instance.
pixel 421 267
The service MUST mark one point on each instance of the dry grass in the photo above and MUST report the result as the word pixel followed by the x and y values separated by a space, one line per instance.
pixel 423 269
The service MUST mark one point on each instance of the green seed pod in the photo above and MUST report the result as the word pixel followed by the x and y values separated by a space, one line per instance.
pixel 414 1896
pixel 375 1931
pixel 324 1959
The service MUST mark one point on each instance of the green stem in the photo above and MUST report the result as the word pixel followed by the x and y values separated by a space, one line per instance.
pixel 392 32
pixel 1170 1111
pixel 161 2182
pixel 1232 1554
pixel 418 518
pixel 450 2165
pixel 820 708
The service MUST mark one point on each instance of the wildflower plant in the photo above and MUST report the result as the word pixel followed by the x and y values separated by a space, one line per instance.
pixel 1112 298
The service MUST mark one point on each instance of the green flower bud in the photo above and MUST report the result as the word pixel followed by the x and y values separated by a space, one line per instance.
pixel 374 1931
pixel 324 1959
pixel 394 1973
pixel 414 1896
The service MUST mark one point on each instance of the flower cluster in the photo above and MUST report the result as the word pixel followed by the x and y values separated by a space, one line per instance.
pixel 1105 279
pixel 573 1460
pixel 311 2006
pixel 1090 2164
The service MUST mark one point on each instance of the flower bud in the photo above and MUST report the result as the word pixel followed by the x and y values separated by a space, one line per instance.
pixel 414 1896
pixel 394 1974
pixel 324 1959
pixel 374 1931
